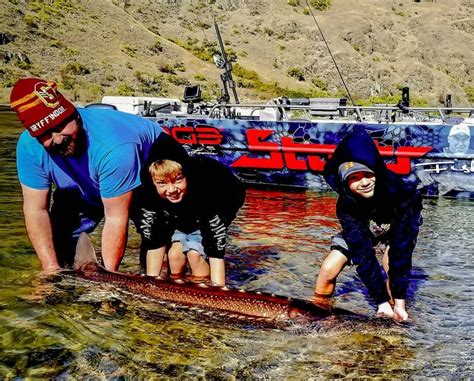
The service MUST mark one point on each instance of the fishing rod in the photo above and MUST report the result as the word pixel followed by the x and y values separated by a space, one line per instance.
pixel 222 62
pixel 330 53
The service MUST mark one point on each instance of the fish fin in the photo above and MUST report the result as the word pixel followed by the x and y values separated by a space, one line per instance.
pixel 85 252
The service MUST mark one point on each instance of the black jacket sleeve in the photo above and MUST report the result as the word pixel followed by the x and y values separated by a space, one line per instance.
pixel 402 240
pixel 355 231
pixel 154 227
pixel 214 235
pixel 223 194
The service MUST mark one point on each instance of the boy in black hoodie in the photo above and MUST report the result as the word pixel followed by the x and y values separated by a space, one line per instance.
pixel 186 206
pixel 374 205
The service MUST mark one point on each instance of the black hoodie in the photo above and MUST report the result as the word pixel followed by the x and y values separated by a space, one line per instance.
pixel 395 201
pixel 213 198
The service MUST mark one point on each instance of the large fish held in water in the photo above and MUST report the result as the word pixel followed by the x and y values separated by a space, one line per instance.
pixel 232 303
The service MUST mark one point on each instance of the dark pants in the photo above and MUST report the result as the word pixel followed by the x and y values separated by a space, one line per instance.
pixel 70 216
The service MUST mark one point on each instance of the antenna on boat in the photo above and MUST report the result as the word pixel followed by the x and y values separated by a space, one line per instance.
pixel 330 53
pixel 222 62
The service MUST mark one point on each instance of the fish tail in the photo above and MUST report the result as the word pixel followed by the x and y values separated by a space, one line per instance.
pixel 85 253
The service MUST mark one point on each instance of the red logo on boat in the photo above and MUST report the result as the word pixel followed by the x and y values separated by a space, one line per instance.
pixel 288 153
pixel 197 135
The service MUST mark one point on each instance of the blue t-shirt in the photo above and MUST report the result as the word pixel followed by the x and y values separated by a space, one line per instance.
pixel 117 145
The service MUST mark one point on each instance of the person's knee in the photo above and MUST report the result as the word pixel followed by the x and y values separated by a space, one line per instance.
pixel 194 258
pixel 332 266
pixel 193 254
pixel 175 252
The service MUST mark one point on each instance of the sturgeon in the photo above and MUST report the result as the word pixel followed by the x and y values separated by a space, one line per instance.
pixel 230 303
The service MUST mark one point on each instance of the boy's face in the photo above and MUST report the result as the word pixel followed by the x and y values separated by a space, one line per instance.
pixel 362 183
pixel 173 189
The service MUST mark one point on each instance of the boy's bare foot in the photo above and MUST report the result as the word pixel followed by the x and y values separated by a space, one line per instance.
pixel 385 310
pixel 177 278
pixel 399 310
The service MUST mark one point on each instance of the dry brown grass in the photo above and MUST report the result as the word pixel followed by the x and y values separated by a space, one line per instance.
pixel 380 45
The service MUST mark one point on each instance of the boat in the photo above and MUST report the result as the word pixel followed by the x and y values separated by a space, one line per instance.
pixel 285 142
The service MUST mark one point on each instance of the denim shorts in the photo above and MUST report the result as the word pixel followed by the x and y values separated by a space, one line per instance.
pixel 190 241
pixel 338 243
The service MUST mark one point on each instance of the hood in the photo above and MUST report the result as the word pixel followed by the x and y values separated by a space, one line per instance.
pixel 165 148
pixel 359 147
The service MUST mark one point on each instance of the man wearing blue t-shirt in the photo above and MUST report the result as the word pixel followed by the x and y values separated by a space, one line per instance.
pixel 91 156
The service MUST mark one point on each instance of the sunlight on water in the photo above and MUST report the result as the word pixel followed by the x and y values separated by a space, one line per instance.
pixel 68 328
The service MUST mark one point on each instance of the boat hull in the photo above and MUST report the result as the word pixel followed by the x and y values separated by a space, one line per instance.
pixel 293 153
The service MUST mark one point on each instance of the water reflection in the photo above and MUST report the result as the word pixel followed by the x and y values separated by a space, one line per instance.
pixel 74 329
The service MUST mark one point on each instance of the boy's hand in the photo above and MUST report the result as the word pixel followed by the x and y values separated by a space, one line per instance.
pixel 385 310
pixel 399 310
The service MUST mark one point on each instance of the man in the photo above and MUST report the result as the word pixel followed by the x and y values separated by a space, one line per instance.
pixel 374 206
pixel 91 156
pixel 458 140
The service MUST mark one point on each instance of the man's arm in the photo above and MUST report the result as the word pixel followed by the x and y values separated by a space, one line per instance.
pixel 114 234
pixel 38 226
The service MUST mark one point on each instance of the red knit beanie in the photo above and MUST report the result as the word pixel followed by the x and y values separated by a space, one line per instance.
pixel 39 105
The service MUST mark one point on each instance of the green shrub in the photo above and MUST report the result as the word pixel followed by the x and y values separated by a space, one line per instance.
pixel 167 69
pixel 179 66
pixel 268 31
pixel 125 90
pixel 199 77
pixel 246 74
pixel 31 21
pixel 296 72
pixel 294 3
pixel 156 47
pixel 8 77
pixel 92 92
pixel 23 64
pixel 319 83
pixel 76 68
pixel 204 52
pixel 150 83
pixel 392 100
pixel 129 50
pixel 203 25
pixel 320 5
pixel 177 80
pixel 469 90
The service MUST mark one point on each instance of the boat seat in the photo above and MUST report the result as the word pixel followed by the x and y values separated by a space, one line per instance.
pixel 327 106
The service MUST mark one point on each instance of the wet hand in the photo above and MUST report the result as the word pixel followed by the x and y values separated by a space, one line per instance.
pixel 385 310
pixel 399 310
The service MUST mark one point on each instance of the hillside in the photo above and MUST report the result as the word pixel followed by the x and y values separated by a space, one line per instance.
pixel 131 47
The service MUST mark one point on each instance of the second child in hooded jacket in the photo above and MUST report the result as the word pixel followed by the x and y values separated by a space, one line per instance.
pixel 186 206
pixel 372 200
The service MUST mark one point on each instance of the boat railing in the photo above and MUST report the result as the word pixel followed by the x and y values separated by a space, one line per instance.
pixel 385 113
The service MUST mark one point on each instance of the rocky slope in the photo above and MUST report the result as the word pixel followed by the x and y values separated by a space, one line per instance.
pixel 133 47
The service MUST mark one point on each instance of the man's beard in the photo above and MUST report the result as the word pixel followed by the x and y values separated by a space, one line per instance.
pixel 70 146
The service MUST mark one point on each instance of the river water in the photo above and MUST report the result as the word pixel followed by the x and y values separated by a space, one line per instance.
pixel 72 329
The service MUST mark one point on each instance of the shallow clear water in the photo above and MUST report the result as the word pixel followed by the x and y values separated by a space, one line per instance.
pixel 73 329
